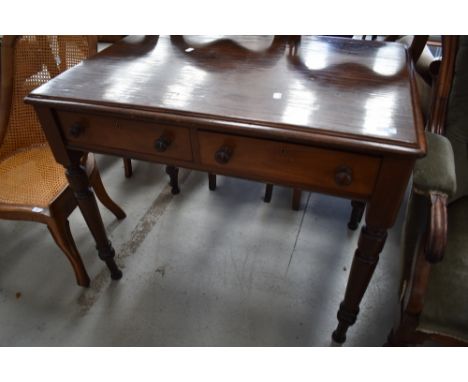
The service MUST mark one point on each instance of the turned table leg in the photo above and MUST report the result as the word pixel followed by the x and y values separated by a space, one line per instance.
pixel 268 193
pixel 211 181
pixel 296 199
pixel 79 183
pixel 381 213
pixel 371 242
pixel 128 169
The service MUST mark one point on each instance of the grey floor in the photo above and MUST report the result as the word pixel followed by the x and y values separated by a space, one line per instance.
pixel 200 269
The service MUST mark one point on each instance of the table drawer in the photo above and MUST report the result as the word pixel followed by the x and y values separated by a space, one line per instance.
pixel 124 134
pixel 329 170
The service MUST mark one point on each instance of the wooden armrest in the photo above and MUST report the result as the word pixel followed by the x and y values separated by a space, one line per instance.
pixel 436 239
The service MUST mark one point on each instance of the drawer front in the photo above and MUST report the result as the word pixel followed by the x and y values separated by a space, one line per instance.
pixel 317 168
pixel 134 136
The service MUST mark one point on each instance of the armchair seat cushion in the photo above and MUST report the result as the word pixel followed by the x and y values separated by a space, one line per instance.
pixel 436 171
pixel 446 302
pixel 31 177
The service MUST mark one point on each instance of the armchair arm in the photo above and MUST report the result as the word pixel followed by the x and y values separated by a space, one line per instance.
pixel 436 236
pixel 434 177
pixel 436 171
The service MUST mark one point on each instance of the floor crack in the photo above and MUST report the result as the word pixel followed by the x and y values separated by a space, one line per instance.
pixel 145 224
pixel 298 233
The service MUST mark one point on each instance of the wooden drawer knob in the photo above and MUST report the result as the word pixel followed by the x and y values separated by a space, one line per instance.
pixel 343 176
pixel 223 155
pixel 162 144
pixel 76 130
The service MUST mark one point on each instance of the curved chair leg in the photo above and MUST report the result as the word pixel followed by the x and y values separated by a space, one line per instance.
pixel 173 173
pixel 406 332
pixel 268 193
pixel 212 181
pixel 61 233
pixel 128 167
pixel 356 214
pixel 103 196
pixel 296 199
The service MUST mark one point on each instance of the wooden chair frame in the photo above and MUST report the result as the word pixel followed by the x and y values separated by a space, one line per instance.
pixel 55 216
pixel 435 238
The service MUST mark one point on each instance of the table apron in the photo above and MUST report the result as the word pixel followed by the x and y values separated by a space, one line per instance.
pixel 326 170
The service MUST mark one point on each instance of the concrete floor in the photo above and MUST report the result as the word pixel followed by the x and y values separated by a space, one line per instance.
pixel 200 269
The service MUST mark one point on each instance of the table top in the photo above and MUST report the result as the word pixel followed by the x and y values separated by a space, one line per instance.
pixel 342 89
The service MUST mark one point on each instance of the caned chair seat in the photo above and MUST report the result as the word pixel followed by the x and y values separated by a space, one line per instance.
pixel 31 177
pixel 33 186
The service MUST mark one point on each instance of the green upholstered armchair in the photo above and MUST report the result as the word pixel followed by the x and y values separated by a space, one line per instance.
pixel 434 288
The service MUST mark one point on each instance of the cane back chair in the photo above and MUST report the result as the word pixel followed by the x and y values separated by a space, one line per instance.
pixel 33 186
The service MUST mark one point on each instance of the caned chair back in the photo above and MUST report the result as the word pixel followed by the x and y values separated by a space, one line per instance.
pixel 28 62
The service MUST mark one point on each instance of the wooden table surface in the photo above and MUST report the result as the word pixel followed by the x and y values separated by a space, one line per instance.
pixel 327 86
pixel 334 115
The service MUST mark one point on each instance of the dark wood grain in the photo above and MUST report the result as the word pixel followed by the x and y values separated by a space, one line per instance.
pixel 327 114
pixel 126 134
pixel 314 90
pixel 288 163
